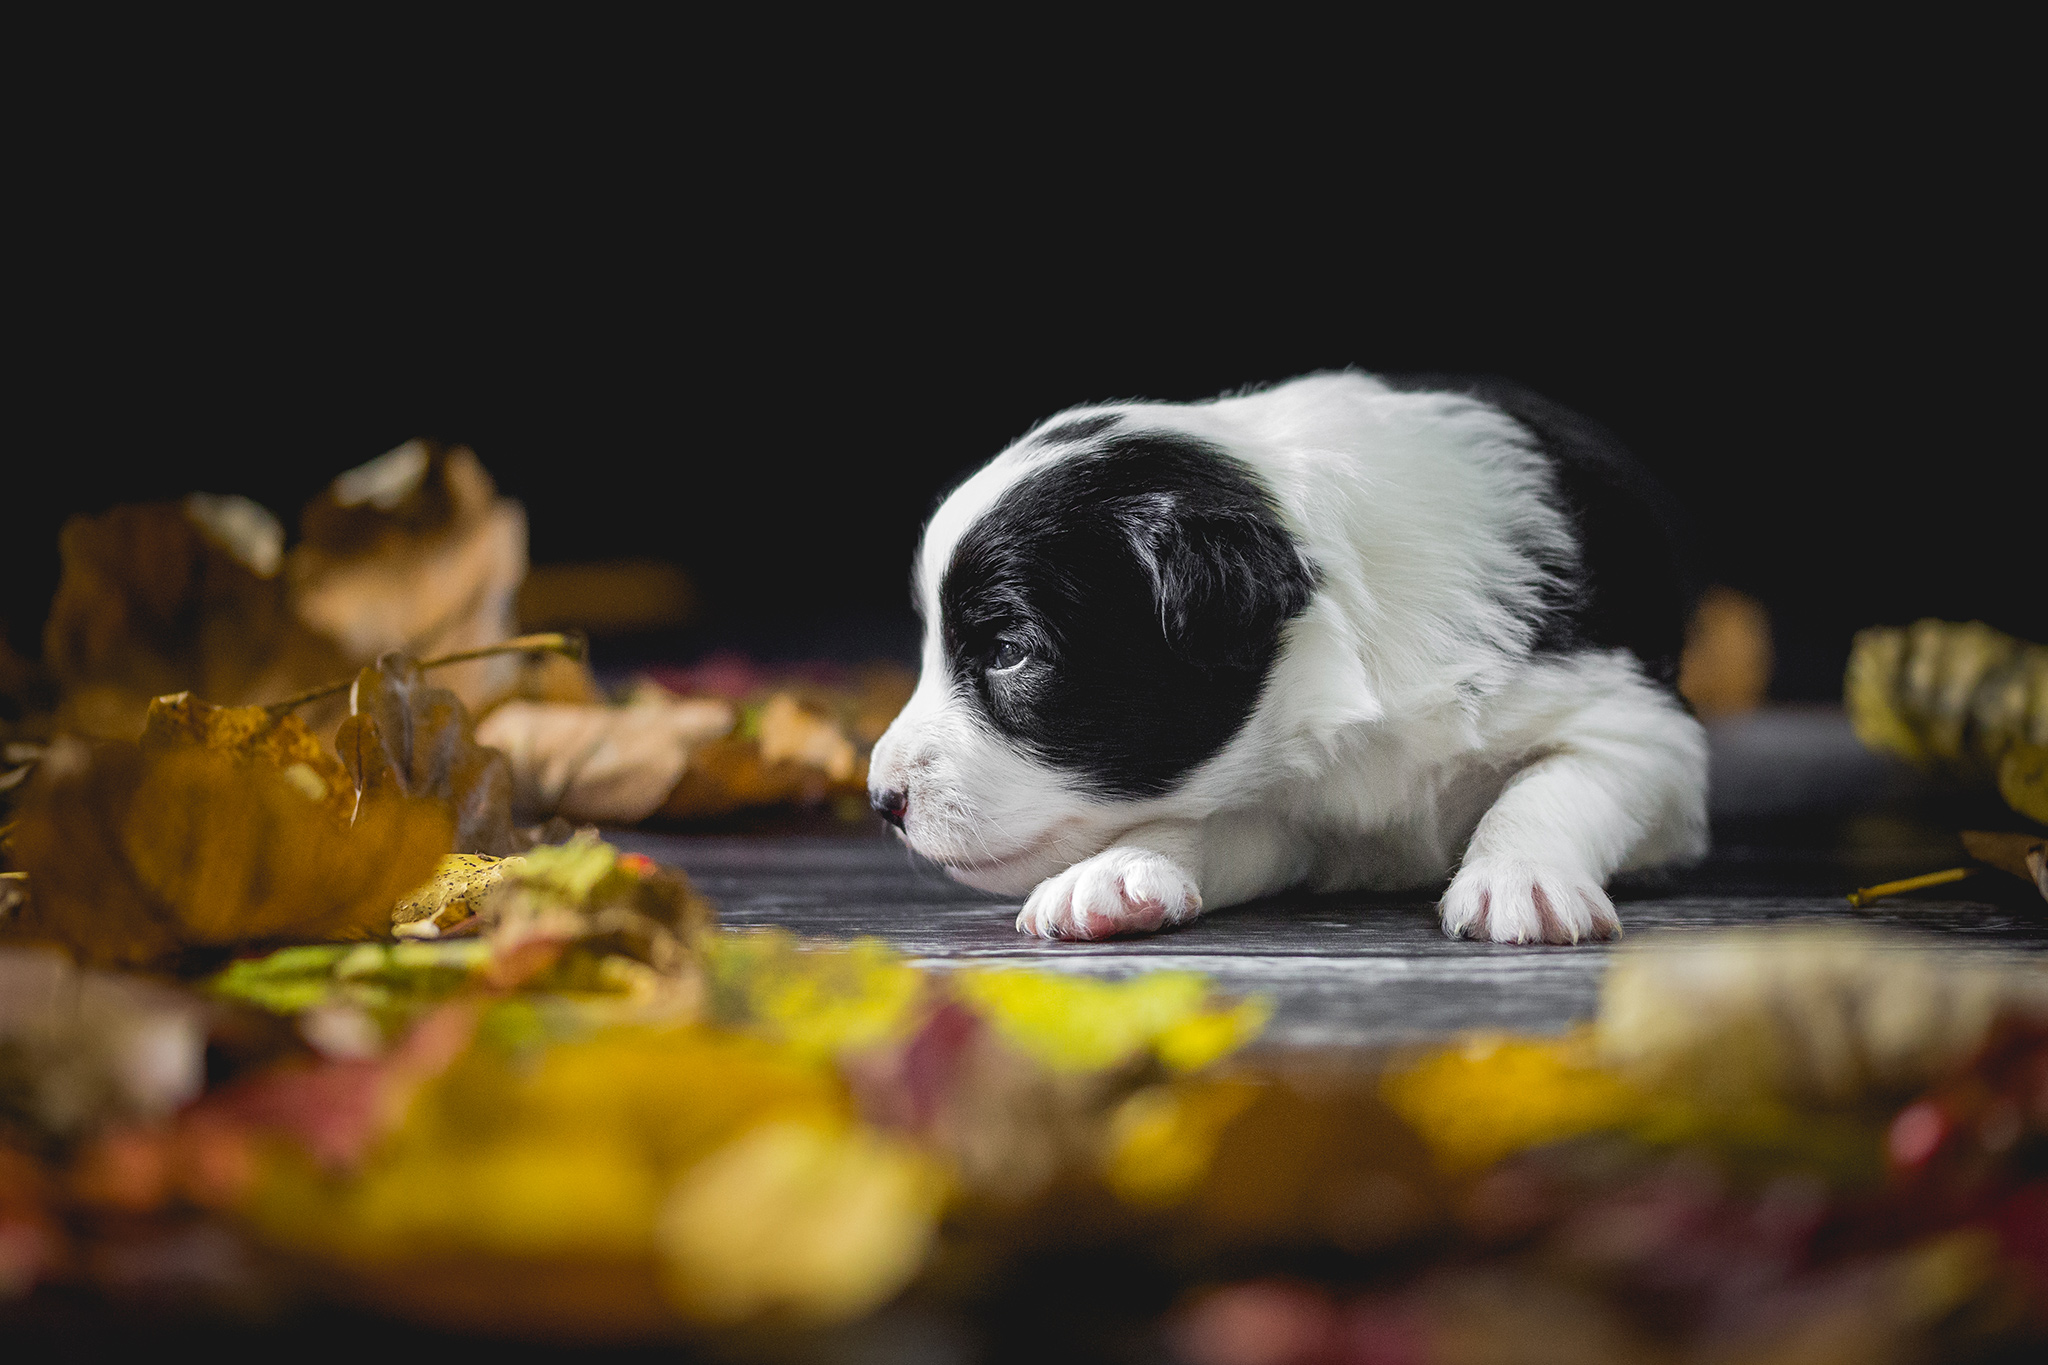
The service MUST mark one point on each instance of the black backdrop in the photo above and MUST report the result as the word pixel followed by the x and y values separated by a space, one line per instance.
pixel 774 405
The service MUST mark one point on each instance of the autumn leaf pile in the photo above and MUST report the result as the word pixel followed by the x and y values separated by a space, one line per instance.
pixel 414 554
pixel 591 1115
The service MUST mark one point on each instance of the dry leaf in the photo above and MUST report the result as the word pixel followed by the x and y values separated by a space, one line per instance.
pixel 161 597
pixel 451 898
pixel 597 763
pixel 254 734
pixel 415 552
pixel 802 739
pixel 413 739
pixel 1949 695
pixel 789 733
pixel 2023 855
pixel 585 896
pixel 728 775
pixel 134 855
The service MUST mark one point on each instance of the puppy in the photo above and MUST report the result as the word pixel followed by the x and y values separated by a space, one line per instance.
pixel 1347 632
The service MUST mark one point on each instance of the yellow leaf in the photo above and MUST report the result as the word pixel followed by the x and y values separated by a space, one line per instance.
pixel 818 1222
pixel 453 894
pixel 1163 1138
pixel 821 999
pixel 1076 1024
pixel 1490 1096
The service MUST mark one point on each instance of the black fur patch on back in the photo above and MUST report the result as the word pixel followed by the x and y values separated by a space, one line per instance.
pixel 1632 586
pixel 1143 586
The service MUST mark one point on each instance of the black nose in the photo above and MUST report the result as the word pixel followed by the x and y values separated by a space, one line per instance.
pixel 890 805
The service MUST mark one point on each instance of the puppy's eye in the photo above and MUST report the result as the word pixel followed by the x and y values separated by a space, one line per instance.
pixel 1006 655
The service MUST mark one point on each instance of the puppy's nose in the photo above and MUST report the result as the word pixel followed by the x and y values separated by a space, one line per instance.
pixel 890 805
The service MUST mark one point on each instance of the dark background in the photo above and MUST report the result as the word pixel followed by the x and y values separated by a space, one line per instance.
pixel 772 398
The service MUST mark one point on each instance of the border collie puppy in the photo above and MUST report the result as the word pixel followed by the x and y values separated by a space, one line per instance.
pixel 1348 632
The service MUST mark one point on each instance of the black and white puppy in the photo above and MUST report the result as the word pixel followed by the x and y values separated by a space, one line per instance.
pixel 1347 632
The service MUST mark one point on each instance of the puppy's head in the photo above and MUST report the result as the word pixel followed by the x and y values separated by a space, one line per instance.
pixel 1102 603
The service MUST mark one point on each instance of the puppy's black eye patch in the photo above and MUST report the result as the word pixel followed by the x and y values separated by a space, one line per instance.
pixel 1145 584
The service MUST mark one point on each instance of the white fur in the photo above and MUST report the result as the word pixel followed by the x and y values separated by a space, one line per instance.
pixel 1405 732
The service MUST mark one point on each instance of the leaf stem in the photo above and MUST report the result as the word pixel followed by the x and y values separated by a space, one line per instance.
pixel 1865 895
pixel 568 644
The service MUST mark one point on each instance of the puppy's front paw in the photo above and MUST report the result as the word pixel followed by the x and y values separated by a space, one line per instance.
pixel 1510 901
pixel 1123 891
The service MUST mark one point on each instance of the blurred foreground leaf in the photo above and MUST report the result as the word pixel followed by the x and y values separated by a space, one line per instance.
pixel 1072 1023
pixel 810 1220
pixel 136 853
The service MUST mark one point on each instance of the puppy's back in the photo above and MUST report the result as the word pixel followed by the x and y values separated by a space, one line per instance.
pixel 1633 585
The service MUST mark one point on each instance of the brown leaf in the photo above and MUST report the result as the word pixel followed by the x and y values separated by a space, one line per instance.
pixel 252 733
pixel 601 763
pixel 728 775
pixel 415 552
pixel 165 596
pixel 2023 855
pixel 408 738
pixel 791 731
pixel 802 743
pixel 135 855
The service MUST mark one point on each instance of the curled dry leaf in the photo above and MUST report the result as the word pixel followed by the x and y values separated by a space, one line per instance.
pixel 1948 695
pixel 406 737
pixel 2023 855
pixel 789 733
pixel 449 900
pixel 134 855
pixel 600 763
pixel 164 596
pixel 415 552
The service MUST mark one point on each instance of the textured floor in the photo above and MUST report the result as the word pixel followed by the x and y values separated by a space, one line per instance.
pixel 1802 817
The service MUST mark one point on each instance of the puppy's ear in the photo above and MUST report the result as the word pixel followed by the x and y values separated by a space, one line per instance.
pixel 1224 579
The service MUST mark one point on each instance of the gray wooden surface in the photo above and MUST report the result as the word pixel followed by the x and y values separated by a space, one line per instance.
pixel 1802 817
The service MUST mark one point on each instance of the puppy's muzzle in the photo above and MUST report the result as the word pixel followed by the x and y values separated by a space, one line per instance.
pixel 891 805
